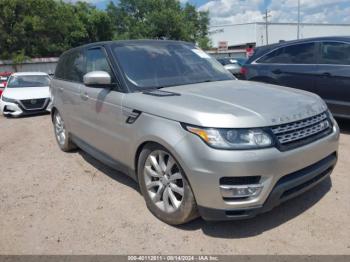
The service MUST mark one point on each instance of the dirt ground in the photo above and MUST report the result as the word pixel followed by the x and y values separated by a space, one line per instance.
pixel 68 203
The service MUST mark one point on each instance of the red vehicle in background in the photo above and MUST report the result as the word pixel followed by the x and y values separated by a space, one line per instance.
pixel 4 76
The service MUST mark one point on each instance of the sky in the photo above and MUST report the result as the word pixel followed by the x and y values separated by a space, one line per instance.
pixel 245 11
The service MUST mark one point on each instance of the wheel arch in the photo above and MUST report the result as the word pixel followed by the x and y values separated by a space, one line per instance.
pixel 53 111
pixel 159 142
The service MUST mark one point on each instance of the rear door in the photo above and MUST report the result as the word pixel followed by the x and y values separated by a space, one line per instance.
pixel 333 82
pixel 68 85
pixel 292 66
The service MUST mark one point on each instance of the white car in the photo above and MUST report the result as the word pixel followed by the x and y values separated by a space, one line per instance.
pixel 26 93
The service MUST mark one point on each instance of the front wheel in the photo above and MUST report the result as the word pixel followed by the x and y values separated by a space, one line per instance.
pixel 62 136
pixel 164 186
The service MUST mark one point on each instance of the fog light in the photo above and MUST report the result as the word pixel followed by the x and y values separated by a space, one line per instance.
pixel 241 191
pixel 11 107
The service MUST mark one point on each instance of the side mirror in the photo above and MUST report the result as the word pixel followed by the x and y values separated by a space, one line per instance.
pixel 97 78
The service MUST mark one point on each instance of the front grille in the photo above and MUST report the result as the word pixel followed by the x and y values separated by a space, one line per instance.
pixel 34 104
pixel 302 132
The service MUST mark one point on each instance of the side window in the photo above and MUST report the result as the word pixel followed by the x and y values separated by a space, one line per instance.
pixel 96 60
pixel 59 73
pixel 74 70
pixel 71 67
pixel 335 53
pixel 294 54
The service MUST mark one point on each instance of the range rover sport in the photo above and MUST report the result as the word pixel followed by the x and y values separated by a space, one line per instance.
pixel 198 141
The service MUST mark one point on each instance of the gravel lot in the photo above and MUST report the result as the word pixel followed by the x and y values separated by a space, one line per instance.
pixel 57 203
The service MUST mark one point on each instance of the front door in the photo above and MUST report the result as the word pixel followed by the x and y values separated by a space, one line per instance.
pixel 104 106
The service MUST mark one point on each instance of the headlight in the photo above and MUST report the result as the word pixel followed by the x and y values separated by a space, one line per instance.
pixel 8 100
pixel 233 138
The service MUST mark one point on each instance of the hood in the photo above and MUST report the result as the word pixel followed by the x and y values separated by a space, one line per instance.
pixel 229 104
pixel 27 93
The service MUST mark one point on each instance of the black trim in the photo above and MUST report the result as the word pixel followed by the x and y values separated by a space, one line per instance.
pixel 287 187
pixel 240 180
pixel 103 157
pixel 159 93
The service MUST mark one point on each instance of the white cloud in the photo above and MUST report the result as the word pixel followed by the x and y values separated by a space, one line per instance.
pixel 233 11
pixel 244 11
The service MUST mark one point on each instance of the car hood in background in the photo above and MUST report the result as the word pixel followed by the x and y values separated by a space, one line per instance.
pixel 233 68
pixel 27 93
pixel 228 104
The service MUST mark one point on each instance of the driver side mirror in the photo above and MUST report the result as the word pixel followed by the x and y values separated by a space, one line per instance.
pixel 97 78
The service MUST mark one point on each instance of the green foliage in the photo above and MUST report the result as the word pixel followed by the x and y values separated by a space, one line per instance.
pixel 139 19
pixel 44 28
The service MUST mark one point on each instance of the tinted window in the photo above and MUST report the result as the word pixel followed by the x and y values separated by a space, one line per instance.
pixel 59 73
pixel 71 67
pixel 161 64
pixel 74 70
pixel 335 53
pixel 96 61
pixel 294 54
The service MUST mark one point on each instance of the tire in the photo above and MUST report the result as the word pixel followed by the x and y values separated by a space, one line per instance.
pixel 62 136
pixel 160 186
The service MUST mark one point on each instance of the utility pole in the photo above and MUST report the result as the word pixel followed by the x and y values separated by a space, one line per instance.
pixel 266 17
pixel 298 36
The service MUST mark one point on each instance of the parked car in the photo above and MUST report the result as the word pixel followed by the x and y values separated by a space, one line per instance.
pixel 318 65
pixel 3 80
pixel 233 65
pixel 196 140
pixel 25 93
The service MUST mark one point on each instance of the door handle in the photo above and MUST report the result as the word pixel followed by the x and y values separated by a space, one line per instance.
pixel 277 71
pixel 60 89
pixel 84 96
pixel 326 74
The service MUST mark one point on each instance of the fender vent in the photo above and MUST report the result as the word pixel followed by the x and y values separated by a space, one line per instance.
pixel 132 115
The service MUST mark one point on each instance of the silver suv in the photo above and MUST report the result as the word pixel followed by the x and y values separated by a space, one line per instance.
pixel 198 141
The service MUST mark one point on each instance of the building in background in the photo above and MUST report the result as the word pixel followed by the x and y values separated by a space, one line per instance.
pixel 46 65
pixel 241 37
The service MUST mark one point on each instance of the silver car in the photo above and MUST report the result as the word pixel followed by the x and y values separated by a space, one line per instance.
pixel 196 140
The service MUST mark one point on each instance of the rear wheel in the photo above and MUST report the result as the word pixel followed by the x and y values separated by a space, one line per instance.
pixel 62 136
pixel 164 186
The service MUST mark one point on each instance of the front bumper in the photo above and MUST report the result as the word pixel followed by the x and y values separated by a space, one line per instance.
pixel 286 188
pixel 15 109
pixel 283 175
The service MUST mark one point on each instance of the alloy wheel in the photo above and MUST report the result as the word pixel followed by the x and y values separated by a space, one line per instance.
pixel 59 129
pixel 164 181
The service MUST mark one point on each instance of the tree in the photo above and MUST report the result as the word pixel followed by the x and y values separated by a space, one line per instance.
pixel 41 28
pixel 138 19
pixel 44 28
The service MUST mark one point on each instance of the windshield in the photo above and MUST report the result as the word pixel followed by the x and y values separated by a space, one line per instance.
pixel 162 64
pixel 28 81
